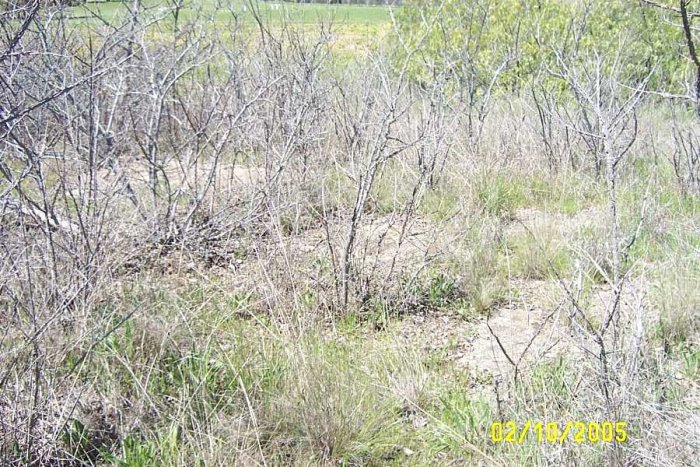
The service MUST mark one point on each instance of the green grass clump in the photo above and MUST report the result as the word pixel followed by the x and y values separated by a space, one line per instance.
pixel 327 405
pixel 591 252
pixel 498 195
pixel 460 420
pixel 479 269
pixel 691 363
pixel 442 202
pixel 677 295
pixel 567 193
pixel 539 254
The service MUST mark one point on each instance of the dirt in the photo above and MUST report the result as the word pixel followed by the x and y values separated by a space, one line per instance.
pixel 228 177
pixel 384 241
pixel 535 220
pixel 517 334
pixel 530 327
pixel 526 329
pixel 533 326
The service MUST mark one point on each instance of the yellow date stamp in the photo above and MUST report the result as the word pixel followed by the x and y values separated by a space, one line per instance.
pixel 555 432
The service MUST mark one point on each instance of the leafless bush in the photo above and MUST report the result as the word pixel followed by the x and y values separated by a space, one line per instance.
pixel 686 157
pixel 560 142
pixel 392 123
pixel 131 141
pixel 113 145
pixel 603 114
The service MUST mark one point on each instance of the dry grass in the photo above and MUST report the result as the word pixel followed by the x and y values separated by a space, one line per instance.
pixel 324 271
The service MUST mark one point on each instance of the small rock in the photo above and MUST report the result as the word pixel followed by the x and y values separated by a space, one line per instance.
pixel 419 422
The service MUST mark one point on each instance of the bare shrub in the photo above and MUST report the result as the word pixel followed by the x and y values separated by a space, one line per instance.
pixel 686 156
pixel 185 199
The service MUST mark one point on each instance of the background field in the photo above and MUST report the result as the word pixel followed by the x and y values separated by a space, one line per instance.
pixel 301 13
pixel 318 237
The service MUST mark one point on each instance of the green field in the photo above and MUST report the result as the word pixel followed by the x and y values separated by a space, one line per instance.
pixel 222 11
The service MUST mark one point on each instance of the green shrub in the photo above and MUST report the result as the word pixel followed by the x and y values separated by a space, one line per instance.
pixel 476 36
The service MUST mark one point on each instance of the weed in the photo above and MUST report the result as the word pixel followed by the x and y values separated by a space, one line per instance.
pixel 678 298
pixel 499 196
pixel 539 254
